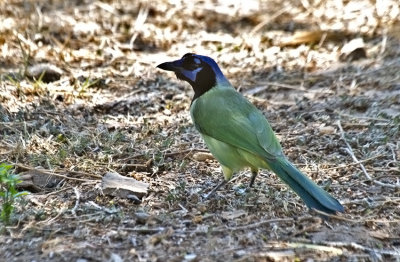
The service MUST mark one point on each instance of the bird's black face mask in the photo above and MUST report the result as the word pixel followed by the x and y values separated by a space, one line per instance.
pixel 185 68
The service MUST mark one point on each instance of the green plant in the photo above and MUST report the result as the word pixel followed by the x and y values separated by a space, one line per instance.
pixel 8 192
pixel 86 85
pixel 177 193
pixel 38 84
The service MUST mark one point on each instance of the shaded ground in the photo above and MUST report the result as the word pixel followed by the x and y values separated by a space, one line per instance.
pixel 110 109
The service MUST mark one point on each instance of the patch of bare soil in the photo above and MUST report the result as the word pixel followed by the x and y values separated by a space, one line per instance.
pixel 81 97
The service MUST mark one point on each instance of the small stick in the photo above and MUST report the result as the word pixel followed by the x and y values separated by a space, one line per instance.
pixel 183 208
pixel 257 225
pixel 144 230
pixel 48 172
pixel 77 173
pixel 347 165
pixel 351 153
pixel 363 248
pixel 186 151
pixel 78 197
pixel 268 20
pixel 353 220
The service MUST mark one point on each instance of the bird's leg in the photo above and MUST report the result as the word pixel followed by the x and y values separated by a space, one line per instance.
pixel 223 182
pixel 254 173
pixel 228 173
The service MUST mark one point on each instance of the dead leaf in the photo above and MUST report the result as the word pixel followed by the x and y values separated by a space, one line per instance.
pixel 353 50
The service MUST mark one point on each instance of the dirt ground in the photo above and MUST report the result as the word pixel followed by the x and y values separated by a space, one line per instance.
pixel 325 73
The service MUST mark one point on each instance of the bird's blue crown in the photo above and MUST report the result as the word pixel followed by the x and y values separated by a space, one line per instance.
pixel 201 72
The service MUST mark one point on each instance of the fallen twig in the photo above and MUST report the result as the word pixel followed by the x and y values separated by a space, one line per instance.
pixel 144 230
pixel 76 201
pixel 77 173
pixel 363 248
pixel 186 151
pixel 335 216
pixel 269 20
pixel 354 221
pixel 344 166
pixel 318 247
pixel 351 153
pixel 246 227
pixel 48 172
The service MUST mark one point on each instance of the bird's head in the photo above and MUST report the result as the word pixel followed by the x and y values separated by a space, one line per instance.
pixel 201 72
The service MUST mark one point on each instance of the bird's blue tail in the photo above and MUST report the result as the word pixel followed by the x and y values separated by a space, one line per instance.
pixel 311 193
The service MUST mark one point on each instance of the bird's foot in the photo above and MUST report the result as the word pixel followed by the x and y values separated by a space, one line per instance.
pixel 212 192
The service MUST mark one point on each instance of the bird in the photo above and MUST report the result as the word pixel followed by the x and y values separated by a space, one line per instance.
pixel 237 134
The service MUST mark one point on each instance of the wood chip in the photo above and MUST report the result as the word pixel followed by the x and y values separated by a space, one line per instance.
pixel 284 255
pixel 230 215
pixel 201 156
pixel 327 130
pixel 311 37
pixel 115 184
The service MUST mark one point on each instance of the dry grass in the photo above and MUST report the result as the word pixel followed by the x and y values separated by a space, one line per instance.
pixel 105 107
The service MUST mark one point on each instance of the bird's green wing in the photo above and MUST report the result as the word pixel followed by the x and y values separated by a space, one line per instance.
pixel 225 115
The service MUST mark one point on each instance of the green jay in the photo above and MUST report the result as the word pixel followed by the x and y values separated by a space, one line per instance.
pixel 237 133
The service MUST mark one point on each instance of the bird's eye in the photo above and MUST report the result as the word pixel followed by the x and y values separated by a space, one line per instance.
pixel 191 63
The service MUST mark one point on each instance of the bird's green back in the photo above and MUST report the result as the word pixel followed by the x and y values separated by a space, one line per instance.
pixel 224 114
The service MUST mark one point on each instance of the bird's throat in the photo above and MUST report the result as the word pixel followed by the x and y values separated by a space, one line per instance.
pixel 205 80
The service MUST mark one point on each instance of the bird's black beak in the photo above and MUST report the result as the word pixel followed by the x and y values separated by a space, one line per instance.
pixel 170 66
pixel 180 72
